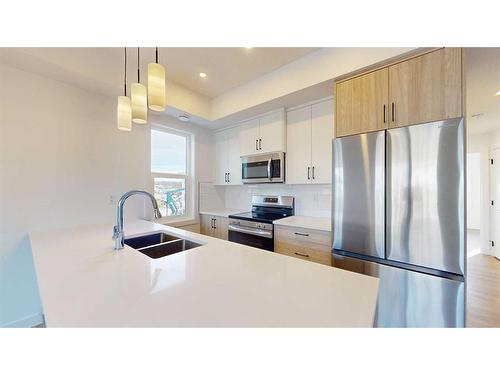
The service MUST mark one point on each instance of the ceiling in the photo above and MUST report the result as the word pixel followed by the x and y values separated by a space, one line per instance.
pixel 226 68
pixel 482 82
pixel 101 69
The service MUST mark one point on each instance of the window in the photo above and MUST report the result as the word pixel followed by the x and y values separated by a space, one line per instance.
pixel 170 171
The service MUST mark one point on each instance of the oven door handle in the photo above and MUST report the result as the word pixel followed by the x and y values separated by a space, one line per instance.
pixel 255 232
pixel 269 164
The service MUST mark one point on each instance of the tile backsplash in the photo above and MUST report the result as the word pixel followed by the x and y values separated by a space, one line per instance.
pixel 211 197
pixel 310 200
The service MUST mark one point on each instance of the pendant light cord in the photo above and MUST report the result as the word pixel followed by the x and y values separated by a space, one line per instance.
pixel 138 66
pixel 125 75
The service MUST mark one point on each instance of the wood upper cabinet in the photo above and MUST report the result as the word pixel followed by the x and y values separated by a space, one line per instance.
pixel 426 88
pixel 418 90
pixel 361 104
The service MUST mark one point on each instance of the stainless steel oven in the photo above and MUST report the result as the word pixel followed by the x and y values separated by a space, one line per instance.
pixel 255 228
pixel 263 168
pixel 251 233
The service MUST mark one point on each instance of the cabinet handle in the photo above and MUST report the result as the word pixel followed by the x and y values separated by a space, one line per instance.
pixel 228 177
pixel 260 144
pixel 313 173
pixel 301 234
pixel 393 111
pixel 384 113
pixel 302 255
pixel 308 173
pixel 257 144
pixel 225 177
pixel 215 223
pixel 212 223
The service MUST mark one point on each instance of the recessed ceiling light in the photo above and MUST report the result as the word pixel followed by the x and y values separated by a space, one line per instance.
pixel 498 93
pixel 203 75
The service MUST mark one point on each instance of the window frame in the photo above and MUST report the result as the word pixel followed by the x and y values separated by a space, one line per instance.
pixel 188 177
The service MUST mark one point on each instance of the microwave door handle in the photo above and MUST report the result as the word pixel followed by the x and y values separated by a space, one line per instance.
pixel 269 164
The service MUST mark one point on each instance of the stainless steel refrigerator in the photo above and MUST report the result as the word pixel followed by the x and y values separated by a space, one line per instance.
pixel 398 214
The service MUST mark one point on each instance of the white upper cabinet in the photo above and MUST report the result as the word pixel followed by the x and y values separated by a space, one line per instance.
pixel 321 142
pixel 262 135
pixel 309 132
pixel 233 156
pixel 298 145
pixel 221 164
pixel 227 154
pixel 271 132
pixel 249 137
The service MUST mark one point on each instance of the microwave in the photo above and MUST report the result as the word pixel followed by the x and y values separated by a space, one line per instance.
pixel 263 168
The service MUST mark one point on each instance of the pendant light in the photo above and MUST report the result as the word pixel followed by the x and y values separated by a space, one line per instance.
pixel 139 97
pixel 123 108
pixel 156 86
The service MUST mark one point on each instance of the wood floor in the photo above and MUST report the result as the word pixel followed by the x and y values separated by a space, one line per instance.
pixel 483 291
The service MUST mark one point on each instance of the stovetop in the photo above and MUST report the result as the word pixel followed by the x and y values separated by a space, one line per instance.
pixel 266 209
pixel 259 216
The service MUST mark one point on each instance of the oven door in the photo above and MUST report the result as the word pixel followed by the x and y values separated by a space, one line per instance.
pixel 261 238
pixel 263 168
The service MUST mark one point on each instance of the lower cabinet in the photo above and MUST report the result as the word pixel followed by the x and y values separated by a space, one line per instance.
pixel 214 226
pixel 307 244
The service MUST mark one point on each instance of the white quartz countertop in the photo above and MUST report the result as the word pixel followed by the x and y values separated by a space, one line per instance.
pixel 223 212
pixel 308 222
pixel 83 282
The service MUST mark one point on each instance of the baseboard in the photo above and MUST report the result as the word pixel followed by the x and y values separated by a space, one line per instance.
pixel 26 322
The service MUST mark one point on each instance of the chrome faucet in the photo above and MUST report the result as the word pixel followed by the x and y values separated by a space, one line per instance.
pixel 118 234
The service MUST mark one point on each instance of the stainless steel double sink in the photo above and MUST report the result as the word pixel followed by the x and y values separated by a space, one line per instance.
pixel 161 244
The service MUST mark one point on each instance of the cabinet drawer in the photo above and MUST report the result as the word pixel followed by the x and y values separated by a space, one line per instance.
pixel 304 244
pixel 312 255
pixel 308 237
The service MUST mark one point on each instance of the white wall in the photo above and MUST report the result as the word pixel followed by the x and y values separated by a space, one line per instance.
pixel 310 200
pixel 320 66
pixel 61 159
pixel 473 191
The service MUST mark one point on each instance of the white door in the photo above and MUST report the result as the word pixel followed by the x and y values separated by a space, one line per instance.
pixel 321 142
pixel 298 145
pixel 271 132
pixel 221 157
pixel 233 154
pixel 249 137
pixel 495 196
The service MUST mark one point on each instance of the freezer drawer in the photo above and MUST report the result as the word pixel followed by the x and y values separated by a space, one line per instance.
pixel 359 194
pixel 411 299
pixel 425 195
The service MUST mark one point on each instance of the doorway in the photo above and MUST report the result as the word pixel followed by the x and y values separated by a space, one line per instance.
pixel 473 204
pixel 482 75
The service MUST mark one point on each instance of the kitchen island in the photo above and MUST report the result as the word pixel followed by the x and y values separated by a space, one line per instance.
pixel 83 282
